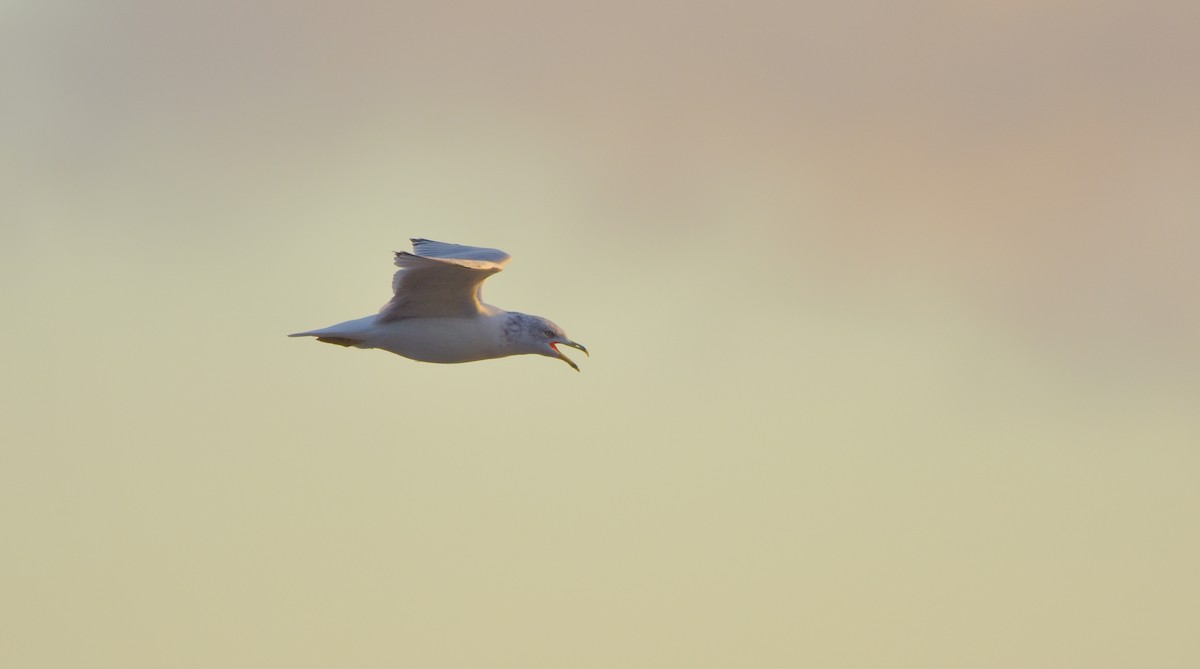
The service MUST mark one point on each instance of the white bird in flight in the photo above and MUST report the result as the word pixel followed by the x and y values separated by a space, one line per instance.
pixel 438 314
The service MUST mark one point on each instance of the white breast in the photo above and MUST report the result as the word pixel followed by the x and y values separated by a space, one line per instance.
pixel 441 339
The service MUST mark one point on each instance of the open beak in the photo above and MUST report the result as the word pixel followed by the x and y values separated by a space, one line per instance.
pixel 565 358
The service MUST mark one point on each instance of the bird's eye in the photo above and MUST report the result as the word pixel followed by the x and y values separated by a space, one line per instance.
pixel 548 333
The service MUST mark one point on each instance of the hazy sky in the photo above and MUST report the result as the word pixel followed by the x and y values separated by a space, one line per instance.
pixel 893 311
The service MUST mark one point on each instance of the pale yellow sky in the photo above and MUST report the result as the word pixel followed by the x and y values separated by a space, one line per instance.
pixel 892 311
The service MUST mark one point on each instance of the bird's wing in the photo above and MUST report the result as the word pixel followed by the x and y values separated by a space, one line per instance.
pixel 427 248
pixel 440 280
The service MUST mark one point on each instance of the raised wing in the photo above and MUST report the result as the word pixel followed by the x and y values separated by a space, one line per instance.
pixel 440 280
pixel 430 249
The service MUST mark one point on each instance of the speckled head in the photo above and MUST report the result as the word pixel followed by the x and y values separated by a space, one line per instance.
pixel 533 334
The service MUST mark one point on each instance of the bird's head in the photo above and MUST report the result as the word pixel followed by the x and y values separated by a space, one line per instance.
pixel 534 334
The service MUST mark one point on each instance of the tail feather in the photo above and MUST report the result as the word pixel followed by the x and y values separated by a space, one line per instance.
pixel 350 333
pixel 329 338
pixel 340 341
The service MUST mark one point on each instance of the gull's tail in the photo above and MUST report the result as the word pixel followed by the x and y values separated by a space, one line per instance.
pixel 340 341
pixel 349 333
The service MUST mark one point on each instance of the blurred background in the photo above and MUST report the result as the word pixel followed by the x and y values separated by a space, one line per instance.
pixel 892 307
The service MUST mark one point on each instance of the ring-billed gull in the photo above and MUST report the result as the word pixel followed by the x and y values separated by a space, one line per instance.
pixel 438 314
